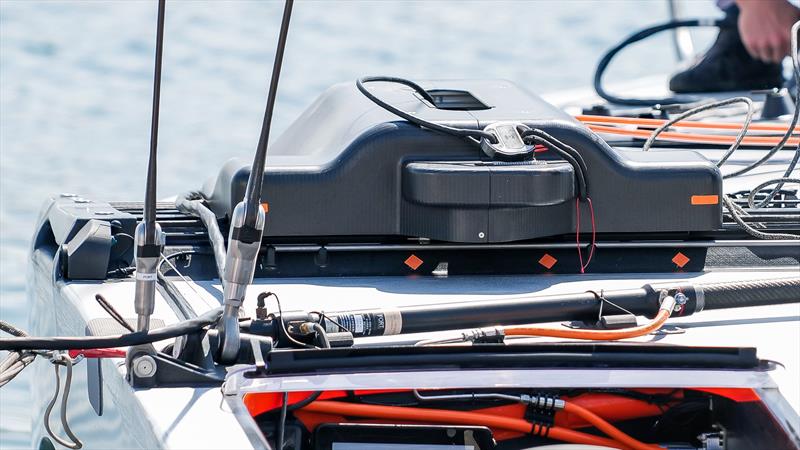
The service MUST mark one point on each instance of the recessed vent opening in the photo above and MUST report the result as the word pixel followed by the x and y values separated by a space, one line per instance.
pixel 456 100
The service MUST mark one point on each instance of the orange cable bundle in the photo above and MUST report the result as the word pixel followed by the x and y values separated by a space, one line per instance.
pixel 619 439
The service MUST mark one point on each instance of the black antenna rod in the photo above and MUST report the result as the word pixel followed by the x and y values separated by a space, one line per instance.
pixel 252 196
pixel 150 192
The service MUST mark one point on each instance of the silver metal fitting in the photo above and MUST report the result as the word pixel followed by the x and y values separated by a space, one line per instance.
pixel 146 274
pixel 240 266
pixel 144 366
pixel 480 333
pixel 680 301
pixel 543 402
pixel 509 140
pixel 668 303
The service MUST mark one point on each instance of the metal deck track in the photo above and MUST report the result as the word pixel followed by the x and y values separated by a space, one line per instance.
pixel 729 248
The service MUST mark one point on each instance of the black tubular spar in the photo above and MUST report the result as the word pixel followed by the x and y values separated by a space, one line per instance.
pixel 252 197
pixel 552 308
pixel 750 293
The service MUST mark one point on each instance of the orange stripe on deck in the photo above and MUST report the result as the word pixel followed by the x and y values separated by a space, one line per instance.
pixel 705 199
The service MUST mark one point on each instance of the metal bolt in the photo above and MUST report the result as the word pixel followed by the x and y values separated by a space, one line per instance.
pixel 680 301
pixel 481 235
pixel 144 366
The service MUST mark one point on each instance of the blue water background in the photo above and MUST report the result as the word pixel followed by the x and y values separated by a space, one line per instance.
pixel 76 79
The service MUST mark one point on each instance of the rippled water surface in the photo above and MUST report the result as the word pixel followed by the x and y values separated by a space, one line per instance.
pixel 75 82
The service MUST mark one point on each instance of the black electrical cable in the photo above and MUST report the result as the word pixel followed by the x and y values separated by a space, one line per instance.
pixel 636 37
pixel 460 132
pixel 124 340
pixel 304 402
pixel 252 197
pixel 150 191
pixel 580 176
pixel 554 141
pixel 264 295
pixel 568 153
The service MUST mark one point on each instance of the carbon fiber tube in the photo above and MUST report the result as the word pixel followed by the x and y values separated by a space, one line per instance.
pixel 750 293
pixel 552 308
pixel 513 311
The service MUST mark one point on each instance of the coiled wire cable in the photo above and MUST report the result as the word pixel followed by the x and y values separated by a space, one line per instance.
pixel 705 107
pixel 778 181
pixel 75 443
pixel 751 230
pixel 16 361
pixel 793 162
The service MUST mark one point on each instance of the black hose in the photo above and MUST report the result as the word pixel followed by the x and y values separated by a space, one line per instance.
pixel 124 340
pixel 192 203
pixel 305 402
pixel 636 37
pixel 750 293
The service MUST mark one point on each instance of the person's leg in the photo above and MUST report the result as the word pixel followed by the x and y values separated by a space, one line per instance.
pixel 727 66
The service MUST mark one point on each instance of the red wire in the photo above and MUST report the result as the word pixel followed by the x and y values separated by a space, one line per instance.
pixel 594 234
pixel 578 231
pixel 593 245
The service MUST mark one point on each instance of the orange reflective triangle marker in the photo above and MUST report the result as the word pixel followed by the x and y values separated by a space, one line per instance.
pixel 413 262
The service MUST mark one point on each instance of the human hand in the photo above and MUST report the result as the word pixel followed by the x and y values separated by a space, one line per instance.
pixel 764 26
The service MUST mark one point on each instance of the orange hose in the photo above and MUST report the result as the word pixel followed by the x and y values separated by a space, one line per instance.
pixel 462 418
pixel 594 335
pixel 610 430
pixel 655 123
pixel 694 138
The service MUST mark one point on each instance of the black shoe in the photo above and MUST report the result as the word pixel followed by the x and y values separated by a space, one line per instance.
pixel 727 66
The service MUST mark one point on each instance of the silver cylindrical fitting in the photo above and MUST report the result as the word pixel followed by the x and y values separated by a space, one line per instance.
pixel 147 259
pixel 240 266
pixel 668 303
